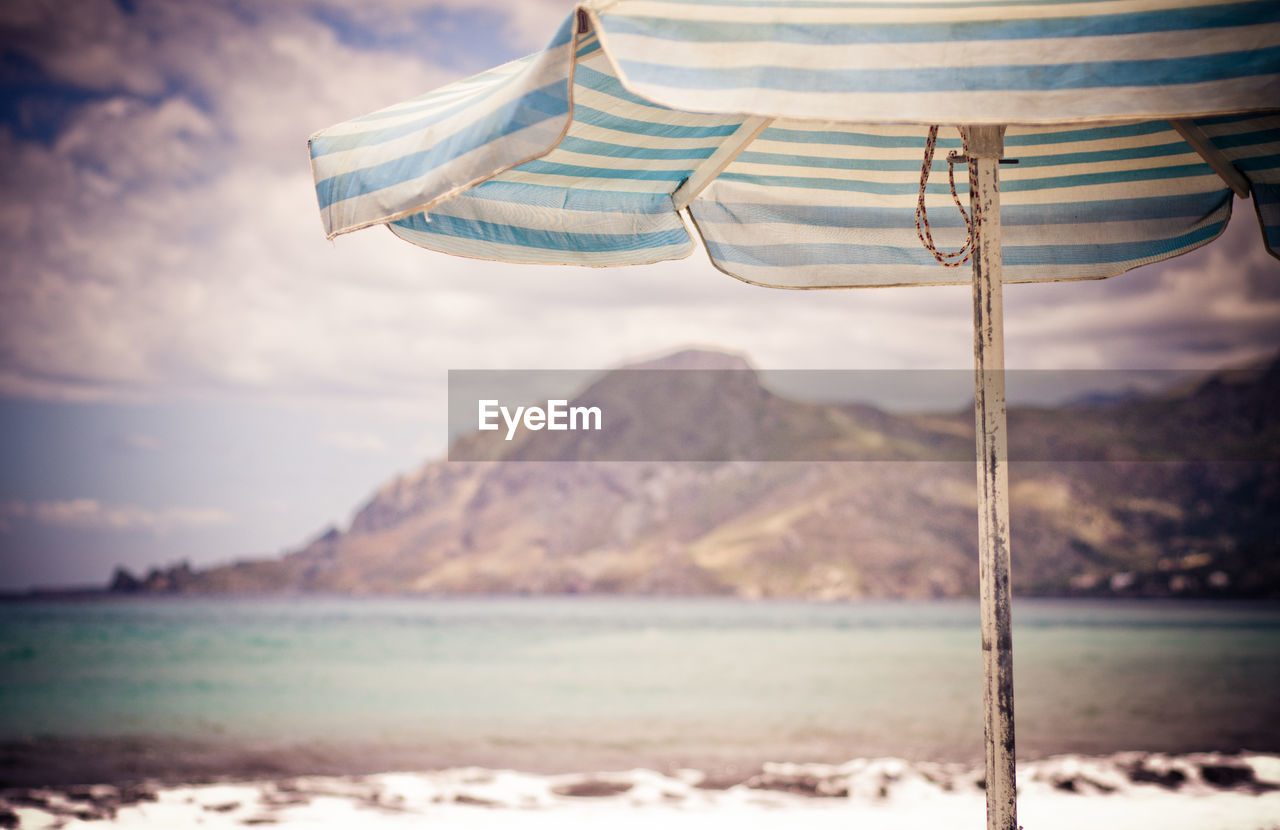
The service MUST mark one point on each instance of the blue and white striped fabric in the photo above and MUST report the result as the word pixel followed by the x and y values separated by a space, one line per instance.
pixel 813 113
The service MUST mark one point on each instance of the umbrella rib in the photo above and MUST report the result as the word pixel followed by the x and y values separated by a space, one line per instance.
pixel 718 161
pixel 1221 165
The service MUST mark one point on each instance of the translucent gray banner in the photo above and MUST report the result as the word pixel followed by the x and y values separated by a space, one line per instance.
pixel 720 415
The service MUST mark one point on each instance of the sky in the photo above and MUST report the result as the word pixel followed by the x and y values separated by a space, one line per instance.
pixel 190 371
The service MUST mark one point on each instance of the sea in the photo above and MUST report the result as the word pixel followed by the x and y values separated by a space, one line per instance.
pixel 713 710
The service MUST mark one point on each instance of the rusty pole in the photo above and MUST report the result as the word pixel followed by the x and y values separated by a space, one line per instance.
pixel 986 146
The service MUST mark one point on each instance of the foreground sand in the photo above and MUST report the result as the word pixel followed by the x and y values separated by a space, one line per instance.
pixel 1128 790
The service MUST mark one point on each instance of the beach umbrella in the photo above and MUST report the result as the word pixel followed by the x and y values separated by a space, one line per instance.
pixel 846 143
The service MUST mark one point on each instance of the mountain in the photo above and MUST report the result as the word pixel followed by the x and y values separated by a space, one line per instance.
pixel 1174 493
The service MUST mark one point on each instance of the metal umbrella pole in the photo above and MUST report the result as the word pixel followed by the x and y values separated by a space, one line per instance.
pixel 985 147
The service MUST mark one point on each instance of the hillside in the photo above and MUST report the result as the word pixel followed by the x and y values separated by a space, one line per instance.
pixel 1101 503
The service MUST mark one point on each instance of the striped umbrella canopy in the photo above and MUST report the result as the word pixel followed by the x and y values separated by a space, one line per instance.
pixel 814 144
pixel 793 133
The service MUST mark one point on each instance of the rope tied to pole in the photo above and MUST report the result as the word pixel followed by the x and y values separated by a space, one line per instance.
pixel 950 259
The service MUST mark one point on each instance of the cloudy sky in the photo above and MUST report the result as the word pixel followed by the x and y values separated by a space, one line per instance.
pixel 188 370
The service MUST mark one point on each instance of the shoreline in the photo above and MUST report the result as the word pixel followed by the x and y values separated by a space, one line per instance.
pixel 95 593
pixel 168 761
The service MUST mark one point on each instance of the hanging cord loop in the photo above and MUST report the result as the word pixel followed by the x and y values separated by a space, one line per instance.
pixel 951 259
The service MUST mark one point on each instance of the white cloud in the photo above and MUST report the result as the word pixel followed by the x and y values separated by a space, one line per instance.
pixel 91 514
pixel 361 442
pixel 1199 311
pixel 142 442
pixel 525 25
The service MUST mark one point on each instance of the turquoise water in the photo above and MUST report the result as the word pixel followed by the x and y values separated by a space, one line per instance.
pixel 580 683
